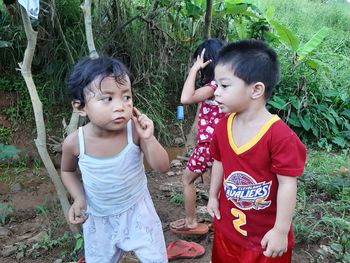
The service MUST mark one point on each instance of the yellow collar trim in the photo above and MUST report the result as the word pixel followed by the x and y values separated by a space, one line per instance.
pixel 254 140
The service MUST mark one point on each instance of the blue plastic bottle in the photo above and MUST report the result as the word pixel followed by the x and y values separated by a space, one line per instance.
pixel 180 112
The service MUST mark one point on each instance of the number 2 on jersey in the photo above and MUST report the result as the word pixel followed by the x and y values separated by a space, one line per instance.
pixel 240 221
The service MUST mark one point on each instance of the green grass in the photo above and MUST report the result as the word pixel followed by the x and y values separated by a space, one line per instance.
pixel 322 214
pixel 322 162
pixel 306 17
pixel 176 198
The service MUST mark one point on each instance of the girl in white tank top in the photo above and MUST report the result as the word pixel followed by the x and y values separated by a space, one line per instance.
pixel 112 200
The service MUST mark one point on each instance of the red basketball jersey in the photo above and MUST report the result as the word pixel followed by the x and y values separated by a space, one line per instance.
pixel 249 189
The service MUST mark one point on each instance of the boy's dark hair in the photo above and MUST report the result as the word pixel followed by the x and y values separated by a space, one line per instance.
pixel 252 61
pixel 212 47
pixel 87 70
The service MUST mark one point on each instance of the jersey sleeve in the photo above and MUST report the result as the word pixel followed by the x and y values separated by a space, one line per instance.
pixel 288 155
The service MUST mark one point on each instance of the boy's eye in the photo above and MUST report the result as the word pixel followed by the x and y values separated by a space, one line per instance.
pixel 126 98
pixel 106 99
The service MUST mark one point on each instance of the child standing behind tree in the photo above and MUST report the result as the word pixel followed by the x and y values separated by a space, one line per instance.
pixel 257 159
pixel 109 150
pixel 209 115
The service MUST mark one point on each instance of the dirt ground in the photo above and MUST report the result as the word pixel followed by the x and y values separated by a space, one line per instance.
pixel 34 189
pixel 36 213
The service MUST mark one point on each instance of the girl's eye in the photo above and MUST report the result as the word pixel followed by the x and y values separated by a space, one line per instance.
pixel 222 86
pixel 126 98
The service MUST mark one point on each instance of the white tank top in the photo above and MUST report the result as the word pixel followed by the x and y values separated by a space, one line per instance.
pixel 112 184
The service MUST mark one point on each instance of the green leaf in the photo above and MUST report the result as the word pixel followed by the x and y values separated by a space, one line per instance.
pixel 330 93
pixel 5 44
pixel 41 209
pixel 79 242
pixel 238 2
pixel 7 151
pixel 328 117
pixel 271 37
pixel 250 14
pixel 277 103
pixel 313 64
pixel 334 113
pixel 339 141
pixel 286 36
pixel 314 130
pixel 312 44
pixel 337 247
pixel 344 96
pixel 241 29
pixel 295 101
pixel 305 122
pixel 346 113
pixel 193 10
pixel 270 11
pixel 347 125
pixel 231 37
pixel 293 120
pixel 235 9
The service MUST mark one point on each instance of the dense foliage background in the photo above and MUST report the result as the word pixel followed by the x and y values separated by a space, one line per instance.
pixel 156 40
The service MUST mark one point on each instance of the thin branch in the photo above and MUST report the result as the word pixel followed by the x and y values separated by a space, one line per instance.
pixel 88 28
pixel 40 141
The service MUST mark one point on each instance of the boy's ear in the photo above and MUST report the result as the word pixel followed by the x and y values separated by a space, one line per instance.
pixel 258 90
pixel 76 104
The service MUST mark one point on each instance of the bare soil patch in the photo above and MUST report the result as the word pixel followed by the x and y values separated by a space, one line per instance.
pixel 27 226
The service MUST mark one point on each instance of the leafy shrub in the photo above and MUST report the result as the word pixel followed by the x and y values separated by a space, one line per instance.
pixel 6 213
pixel 7 151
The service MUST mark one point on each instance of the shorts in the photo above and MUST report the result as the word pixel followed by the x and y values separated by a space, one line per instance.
pixel 225 251
pixel 200 159
pixel 138 229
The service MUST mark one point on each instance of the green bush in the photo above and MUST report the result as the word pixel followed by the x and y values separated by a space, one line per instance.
pixel 156 41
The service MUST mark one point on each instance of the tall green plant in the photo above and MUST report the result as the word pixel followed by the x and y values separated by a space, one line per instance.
pixel 307 107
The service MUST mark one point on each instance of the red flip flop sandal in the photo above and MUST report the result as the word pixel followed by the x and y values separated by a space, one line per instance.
pixel 182 249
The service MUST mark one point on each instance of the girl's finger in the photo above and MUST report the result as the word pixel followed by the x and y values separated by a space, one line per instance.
pixel 203 51
pixel 136 112
pixel 207 62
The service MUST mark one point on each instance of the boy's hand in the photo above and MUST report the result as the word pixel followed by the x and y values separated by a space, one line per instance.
pixel 275 243
pixel 213 208
pixel 76 213
pixel 144 126
pixel 199 64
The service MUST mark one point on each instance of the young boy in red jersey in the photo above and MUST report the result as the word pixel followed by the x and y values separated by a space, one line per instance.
pixel 257 158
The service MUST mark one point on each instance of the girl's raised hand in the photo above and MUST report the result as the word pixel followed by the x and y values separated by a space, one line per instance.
pixel 144 126
pixel 199 64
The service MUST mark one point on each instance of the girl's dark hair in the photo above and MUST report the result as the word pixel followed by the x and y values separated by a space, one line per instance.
pixel 252 61
pixel 87 70
pixel 212 47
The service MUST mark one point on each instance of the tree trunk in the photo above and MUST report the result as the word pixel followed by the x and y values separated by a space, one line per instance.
pixel 40 141
pixel 192 135
pixel 208 18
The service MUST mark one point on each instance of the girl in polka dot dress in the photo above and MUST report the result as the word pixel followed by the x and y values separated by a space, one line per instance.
pixel 209 115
